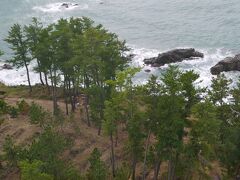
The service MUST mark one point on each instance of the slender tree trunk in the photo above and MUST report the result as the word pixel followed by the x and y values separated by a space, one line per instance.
pixel 134 163
pixel 157 169
pixel 100 123
pixel 28 77
pixel 74 95
pixel 46 82
pixel 65 97
pixel 41 79
pixel 54 98
pixel 169 169
pixel 87 114
pixel 145 155
pixel 55 91
pixel 71 95
pixel 112 155
pixel 116 137
pixel 40 74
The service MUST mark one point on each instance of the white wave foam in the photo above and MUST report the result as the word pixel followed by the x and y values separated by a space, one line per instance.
pixel 200 66
pixel 18 76
pixel 58 7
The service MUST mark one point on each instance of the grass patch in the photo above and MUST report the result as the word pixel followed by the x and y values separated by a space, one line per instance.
pixel 22 91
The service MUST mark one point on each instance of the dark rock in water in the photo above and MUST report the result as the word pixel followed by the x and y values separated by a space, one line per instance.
pixel 147 70
pixel 66 5
pixel 130 57
pixel 227 64
pixel 176 55
pixel 7 66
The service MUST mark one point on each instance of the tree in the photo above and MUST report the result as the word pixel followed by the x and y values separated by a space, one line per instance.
pixel 203 140
pixel 190 93
pixel 97 169
pixel 110 127
pixel 33 171
pixel 151 93
pixel 18 41
pixel 32 32
pixel 219 89
pixel 47 148
pixel 218 95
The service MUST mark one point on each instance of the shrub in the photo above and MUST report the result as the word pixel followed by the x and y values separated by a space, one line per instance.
pixel 13 112
pixel 37 114
pixel 23 107
pixel 97 169
pixel 47 149
pixel 11 151
pixel 3 107
pixel 33 171
pixel 123 172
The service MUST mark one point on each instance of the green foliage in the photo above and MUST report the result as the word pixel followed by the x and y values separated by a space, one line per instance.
pixel 13 112
pixel 59 116
pixel 110 118
pixel 37 114
pixel 205 130
pixel 3 107
pixel 220 89
pixel 135 136
pixel 189 91
pixel 23 107
pixel 72 174
pixel 33 171
pixel 97 169
pixel 11 151
pixel 123 172
pixel 47 149
pixel 18 41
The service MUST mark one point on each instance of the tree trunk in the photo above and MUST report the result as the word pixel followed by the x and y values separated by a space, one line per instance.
pixel 145 155
pixel 171 170
pixel 116 137
pixel 40 74
pixel 71 95
pixel 46 82
pixel 55 92
pixel 41 79
pixel 157 168
pixel 54 98
pixel 28 77
pixel 65 97
pixel 87 114
pixel 134 163
pixel 100 123
pixel 112 155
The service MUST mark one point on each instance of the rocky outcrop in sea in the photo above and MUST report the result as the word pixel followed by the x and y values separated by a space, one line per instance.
pixel 173 56
pixel 227 64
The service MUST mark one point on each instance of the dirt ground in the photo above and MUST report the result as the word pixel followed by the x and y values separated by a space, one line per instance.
pixel 85 138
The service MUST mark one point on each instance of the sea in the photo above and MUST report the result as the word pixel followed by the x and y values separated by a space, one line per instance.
pixel 148 26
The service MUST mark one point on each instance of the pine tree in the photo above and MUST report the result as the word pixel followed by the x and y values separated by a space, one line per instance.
pixel 97 169
pixel 33 37
pixel 18 41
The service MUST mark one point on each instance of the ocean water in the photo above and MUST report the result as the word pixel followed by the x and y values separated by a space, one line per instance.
pixel 149 27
